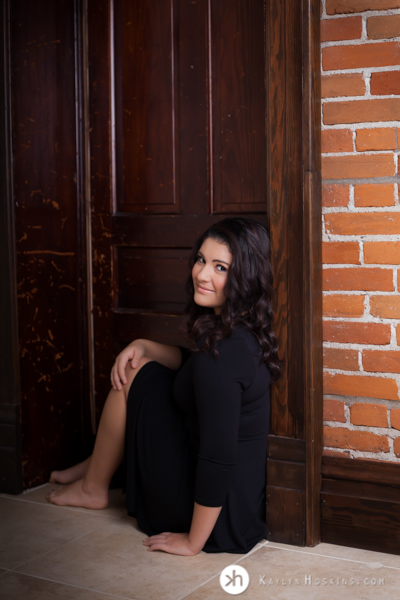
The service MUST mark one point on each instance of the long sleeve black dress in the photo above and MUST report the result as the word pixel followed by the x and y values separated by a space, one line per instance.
pixel 200 435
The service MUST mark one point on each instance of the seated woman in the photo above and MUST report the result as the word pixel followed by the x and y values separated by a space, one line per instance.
pixel 193 425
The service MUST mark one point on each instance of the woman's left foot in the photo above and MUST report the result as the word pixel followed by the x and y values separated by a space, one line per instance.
pixel 79 494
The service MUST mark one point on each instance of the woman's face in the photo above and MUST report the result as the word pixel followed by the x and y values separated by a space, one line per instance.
pixel 210 273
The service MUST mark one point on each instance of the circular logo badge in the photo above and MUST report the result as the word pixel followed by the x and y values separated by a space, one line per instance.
pixel 234 580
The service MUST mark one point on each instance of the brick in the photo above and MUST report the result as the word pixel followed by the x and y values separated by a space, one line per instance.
pixel 341 358
pixel 398 335
pixel 363 441
pixel 381 361
pixel 333 86
pixel 335 195
pixel 361 111
pixel 348 28
pixel 384 27
pixel 396 447
pixel 350 332
pixel 335 453
pixel 395 418
pixel 341 305
pixel 376 139
pixel 336 140
pixel 359 385
pixel 334 410
pixel 382 253
pixel 387 82
pixel 370 415
pixel 363 279
pixel 385 307
pixel 340 253
pixel 374 194
pixel 359 56
pixel 358 166
pixel 363 223
pixel 335 7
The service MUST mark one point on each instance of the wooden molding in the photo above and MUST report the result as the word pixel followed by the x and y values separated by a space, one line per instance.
pixel 360 504
pixel 358 470
pixel 295 225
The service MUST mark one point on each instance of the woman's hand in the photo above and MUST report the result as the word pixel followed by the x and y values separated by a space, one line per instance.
pixel 132 353
pixel 173 543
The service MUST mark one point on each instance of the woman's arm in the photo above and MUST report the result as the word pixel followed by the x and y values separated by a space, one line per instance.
pixel 169 356
pixel 187 544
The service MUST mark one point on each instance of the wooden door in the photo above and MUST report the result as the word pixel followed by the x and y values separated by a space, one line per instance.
pixel 199 110
pixel 178 140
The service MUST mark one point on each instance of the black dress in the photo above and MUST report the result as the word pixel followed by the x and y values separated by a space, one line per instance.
pixel 200 434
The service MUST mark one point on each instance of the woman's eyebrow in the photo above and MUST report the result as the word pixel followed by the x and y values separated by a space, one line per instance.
pixel 215 259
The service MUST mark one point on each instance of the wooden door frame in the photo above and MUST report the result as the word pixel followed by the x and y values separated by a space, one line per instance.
pixel 10 428
pixel 293 122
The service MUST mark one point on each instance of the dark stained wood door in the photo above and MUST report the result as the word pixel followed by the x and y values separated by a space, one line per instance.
pixel 199 110
pixel 178 140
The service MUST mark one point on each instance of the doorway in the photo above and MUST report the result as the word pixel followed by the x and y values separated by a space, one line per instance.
pixel 182 112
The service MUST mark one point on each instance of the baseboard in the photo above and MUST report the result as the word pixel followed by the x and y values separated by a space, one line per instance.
pixel 10 449
pixel 360 504
pixel 286 484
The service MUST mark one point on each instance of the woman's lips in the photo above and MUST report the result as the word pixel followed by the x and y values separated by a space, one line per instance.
pixel 203 290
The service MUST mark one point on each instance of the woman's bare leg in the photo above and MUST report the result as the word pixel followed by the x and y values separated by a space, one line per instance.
pixel 91 491
pixel 70 475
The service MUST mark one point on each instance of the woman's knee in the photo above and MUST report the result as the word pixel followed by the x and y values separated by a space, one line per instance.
pixel 132 372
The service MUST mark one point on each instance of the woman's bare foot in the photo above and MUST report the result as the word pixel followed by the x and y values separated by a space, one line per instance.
pixel 70 475
pixel 79 494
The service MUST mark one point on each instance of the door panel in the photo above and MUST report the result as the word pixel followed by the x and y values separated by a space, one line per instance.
pixel 146 106
pixel 237 106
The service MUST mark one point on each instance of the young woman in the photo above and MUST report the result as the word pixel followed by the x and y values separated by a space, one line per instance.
pixel 193 424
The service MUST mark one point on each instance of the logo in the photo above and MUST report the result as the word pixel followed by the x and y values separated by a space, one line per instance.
pixel 234 580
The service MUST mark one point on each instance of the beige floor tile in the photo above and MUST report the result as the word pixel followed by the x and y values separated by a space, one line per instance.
pixel 113 560
pixel 20 587
pixel 28 530
pixel 305 576
pixel 347 553
pixel 38 495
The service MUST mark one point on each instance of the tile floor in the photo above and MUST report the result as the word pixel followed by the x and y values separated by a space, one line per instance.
pixel 48 552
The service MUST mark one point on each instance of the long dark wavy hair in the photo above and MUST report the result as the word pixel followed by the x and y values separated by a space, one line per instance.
pixel 248 291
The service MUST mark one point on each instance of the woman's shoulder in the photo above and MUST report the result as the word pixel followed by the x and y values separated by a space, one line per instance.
pixel 235 349
pixel 242 335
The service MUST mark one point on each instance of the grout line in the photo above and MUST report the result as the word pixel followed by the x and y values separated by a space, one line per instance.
pixel 71 585
pixel 71 509
pixel 255 549
pixel 55 549
pixel 352 560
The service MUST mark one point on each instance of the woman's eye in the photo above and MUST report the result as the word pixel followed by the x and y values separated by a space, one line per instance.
pixel 221 268
pixel 200 259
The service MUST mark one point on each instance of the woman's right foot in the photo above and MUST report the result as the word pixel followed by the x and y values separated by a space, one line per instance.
pixel 70 475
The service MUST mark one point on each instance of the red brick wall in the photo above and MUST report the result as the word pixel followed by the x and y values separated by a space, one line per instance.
pixel 360 61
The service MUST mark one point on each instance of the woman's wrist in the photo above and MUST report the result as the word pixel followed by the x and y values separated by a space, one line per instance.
pixel 203 521
pixel 195 545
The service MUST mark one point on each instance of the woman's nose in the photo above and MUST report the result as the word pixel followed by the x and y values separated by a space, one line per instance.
pixel 204 274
